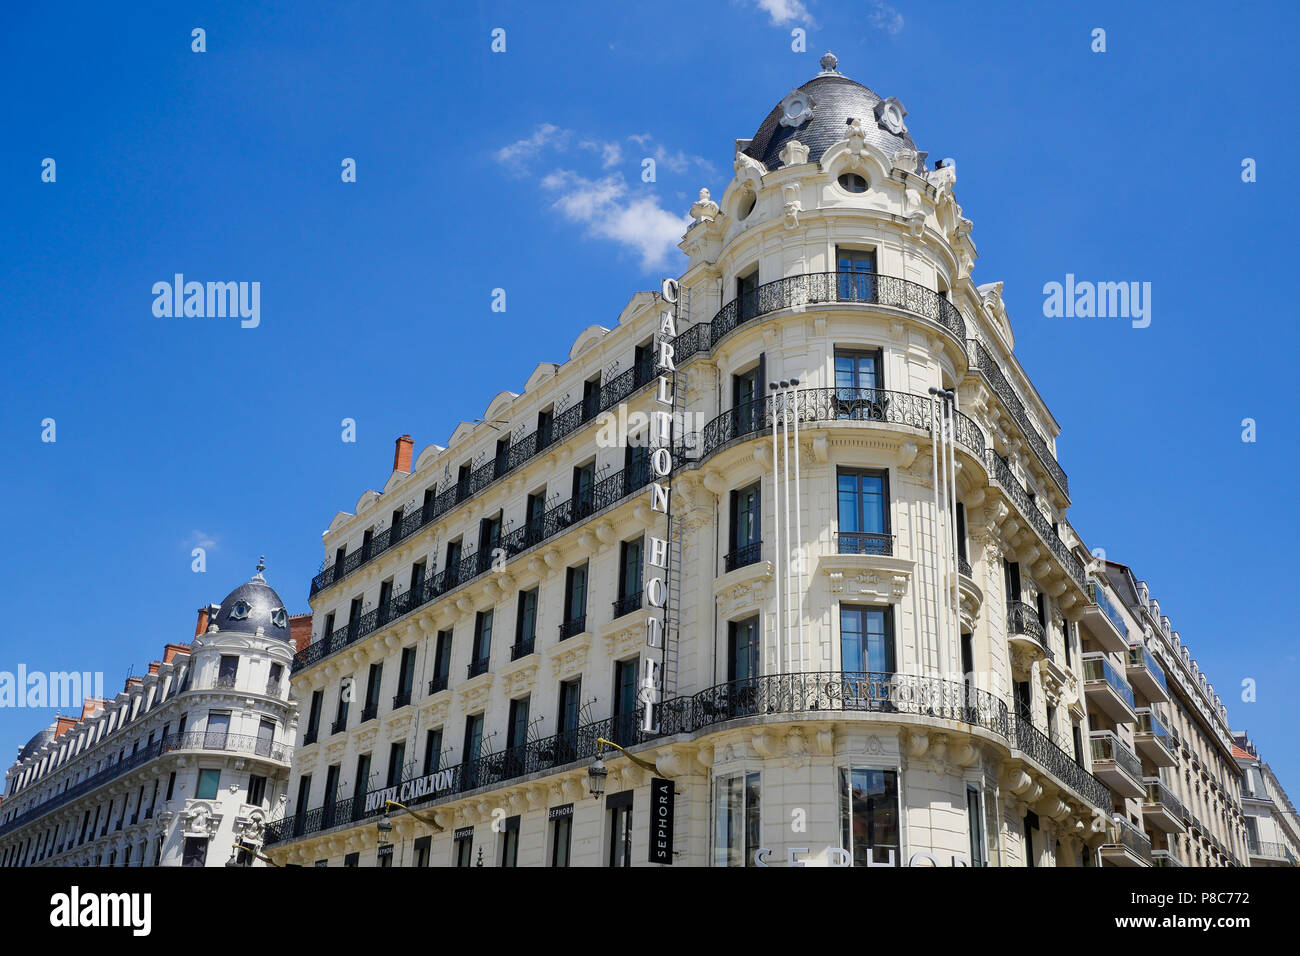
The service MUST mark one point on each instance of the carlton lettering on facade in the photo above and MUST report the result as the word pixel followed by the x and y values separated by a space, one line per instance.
pixel 430 785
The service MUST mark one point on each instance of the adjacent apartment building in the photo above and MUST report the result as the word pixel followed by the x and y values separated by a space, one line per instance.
pixel 190 759
pixel 1272 828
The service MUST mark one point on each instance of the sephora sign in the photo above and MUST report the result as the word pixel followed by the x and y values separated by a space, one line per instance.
pixel 661 471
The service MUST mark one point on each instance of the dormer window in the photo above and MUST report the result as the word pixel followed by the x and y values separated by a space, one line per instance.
pixel 279 618
pixel 240 611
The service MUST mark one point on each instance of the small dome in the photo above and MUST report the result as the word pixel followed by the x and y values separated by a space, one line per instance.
pixel 817 113
pixel 36 743
pixel 251 606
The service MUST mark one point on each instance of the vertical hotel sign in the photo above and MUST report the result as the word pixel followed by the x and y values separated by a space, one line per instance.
pixel 658 555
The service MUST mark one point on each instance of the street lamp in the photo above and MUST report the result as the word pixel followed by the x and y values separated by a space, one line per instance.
pixel 251 851
pixel 386 825
pixel 597 772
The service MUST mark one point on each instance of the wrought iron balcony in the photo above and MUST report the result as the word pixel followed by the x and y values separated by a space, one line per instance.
pixel 310 737
pixel 401 700
pixel 863 542
pixel 1020 497
pixel 339 725
pixel 479 666
pixel 1023 622
pixel 627 604
pixel 571 627
pixel 556 521
pixel 744 556
pixel 520 451
pixel 1264 850
pixel 522 649
pixel 963 568
pixel 1061 764
pixel 369 712
pixel 438 683
pixel 819 288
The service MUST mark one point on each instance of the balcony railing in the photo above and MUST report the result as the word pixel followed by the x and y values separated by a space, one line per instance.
pixel 744 556
pixel 1010 484
pixel 1061 764
pixel 438 683
pixel 1149 723
pixel 1139 656
pixel 520 451
pixel 402 699
pixel 1165 858
pixel 607 492
pixel 984 362
pixel 811 693
pixel 573 626
pixel 479 666
pixel 1099 598
pixel 863 542
pixel 817 288
pixel 190 740
pixel 1097 667
pixel 627 604
pixel 369 712
pixel 963 568
pixel 1023 619
pixel 1269 851
pixel 1125 834
pixel 310 737
pixel 225 681
pixel 339 725
pixel 1157 792
pixel 522 648
pixel 1107 747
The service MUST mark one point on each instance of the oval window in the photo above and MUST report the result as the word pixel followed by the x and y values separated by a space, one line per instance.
pixel 747 203
pixel 852 182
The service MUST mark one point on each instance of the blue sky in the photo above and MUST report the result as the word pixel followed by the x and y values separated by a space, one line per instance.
pixel 521 170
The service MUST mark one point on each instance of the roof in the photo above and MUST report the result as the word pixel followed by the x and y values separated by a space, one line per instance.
pixel 251 606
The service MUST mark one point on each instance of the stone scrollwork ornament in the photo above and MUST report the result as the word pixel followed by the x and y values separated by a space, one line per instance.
pixel 796 108
pixel 890 114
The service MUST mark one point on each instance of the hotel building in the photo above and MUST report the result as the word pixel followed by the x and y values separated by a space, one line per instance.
pixel 894 663
pixel 189 759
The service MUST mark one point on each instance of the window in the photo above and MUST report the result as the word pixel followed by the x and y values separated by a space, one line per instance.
pixel 422 845
pixel 975 823
pixel 1031 825
pixel 852 182
pixel 341 712
pixel 433 750
pixel 517 724
pixel 265 746
pixel 331 798
pixel 575 601
pixel 385 601
pixel 510 842
pixel 396 763
pixel 570 711
pixel 590 398
pixel 217 731
pixel 534 513
pixel 209 781
pixel 1024 699
pixel 629 577
pixel 746 206
pixel 373 680
pixel 857 269
pixel 352 860
pixel 472 749
pixel 625 677
pixel 866 639
pixel 195 852
pixel 544 422
pixel 256 790
pixel 584 485
pixel 618 811
pixel 863 498
pixel 464 852
pixel 747 291
pixel 525 624
pixel 482 649
pixel 1011 580
pixel 354 616
pixel 418 572
pixel 747 399
pixel 273 679
pixel 742 649
pixel 441 662
pixel 171 784
pixel 227 670
pixel 961 535
pixel 869 827
pixel 453 556
pixel 405 677
pixel 489 537
pixel 746 528
pixel 561 820
pixel 361 785
pixel 738 834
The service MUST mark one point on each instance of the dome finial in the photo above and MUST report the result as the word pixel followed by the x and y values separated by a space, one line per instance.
pixel 829 62
pixel 261 566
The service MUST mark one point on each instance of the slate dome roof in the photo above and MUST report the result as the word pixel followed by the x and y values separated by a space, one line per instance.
pixel 253 605
pixel 835 99
pixel 42 738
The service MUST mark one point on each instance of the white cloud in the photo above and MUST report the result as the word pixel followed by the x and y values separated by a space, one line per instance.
pixel 783 11
pixel 200 539
pixel 605 207
pixel 522 150
pixel 885 17
pixel 611 153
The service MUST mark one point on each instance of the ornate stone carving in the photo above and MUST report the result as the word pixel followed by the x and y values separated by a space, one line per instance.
pixel 796 108
pixel 793 153
pixel 705 209
pixel 890 114
pixel 792 205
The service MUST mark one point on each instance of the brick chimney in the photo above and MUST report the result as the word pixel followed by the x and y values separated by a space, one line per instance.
pixel 201 626
pixel 402 454
pixel 300 630
pixel 171 650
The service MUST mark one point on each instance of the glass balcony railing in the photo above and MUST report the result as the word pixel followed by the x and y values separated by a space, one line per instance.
pixel 1097 667
pixel 1157 792
pixel 1107 747
pixel 1100 599
pixel 1139 656
pixel 1125 834
pixel 1149 723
